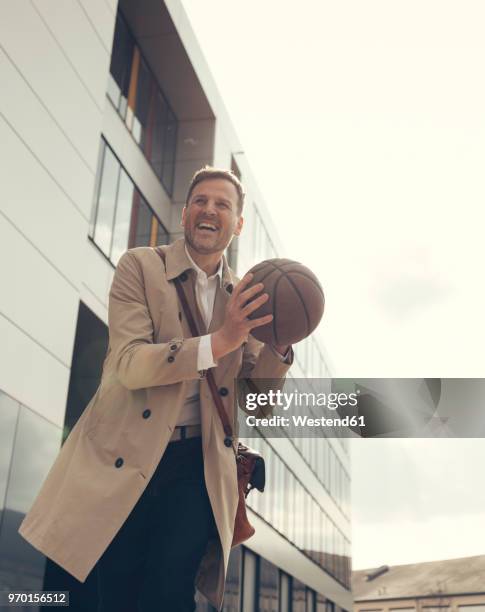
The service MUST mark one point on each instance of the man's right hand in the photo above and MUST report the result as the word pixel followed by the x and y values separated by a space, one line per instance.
pixel 236 326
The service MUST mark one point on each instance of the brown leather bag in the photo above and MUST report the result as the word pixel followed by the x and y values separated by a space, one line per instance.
pixel 250 464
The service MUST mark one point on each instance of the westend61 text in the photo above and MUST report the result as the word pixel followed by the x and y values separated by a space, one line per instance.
pixel 305 421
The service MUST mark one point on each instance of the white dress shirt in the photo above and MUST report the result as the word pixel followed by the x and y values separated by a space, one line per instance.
pixel 205 294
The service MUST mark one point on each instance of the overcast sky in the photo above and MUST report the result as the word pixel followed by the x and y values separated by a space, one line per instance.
pixel 364 123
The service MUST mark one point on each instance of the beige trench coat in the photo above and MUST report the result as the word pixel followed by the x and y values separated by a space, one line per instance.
pixel 85 499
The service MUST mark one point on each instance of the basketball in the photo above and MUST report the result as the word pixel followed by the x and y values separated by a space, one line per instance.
pixel 296 301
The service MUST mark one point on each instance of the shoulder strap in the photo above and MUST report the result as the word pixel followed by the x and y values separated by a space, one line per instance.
pixel 210 375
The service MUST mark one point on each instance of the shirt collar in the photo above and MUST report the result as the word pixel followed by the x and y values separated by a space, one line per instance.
pixel 218 272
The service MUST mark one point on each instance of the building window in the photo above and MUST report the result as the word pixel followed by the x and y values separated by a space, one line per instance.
pixel 285 592
pixel 233 578
pixel 122 218
pixel 21 566
pixel 298 596
pixel 268 586
pixel 304 521
pixel 311 600
pixel 141 103
pixel 249 580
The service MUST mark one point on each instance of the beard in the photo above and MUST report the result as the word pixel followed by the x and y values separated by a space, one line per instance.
pixel 216 246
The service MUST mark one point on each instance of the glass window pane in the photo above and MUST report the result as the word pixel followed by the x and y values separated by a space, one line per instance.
pixel 285 593
pixel 158 133
pixel 123 216
pixel 249 578
pixel 298 596
pixel 169 143
pixel 268 586
pixel 162 235
pixel 141 222
pixel 142 110
pixel 120 68
pixel 321 603
pixel 105 209
pixel 9 409
pixel 20 564
pixel 231 592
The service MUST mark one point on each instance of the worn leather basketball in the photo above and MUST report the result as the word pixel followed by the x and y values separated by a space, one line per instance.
pixel 296 301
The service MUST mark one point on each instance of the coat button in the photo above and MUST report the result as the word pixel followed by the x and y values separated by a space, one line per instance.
pixel 183 277
pixel 146 413
pixel 223 391
pixel 227 442
pixel 170 358
pixel 173 347
pixel 229 288
pixel 119 462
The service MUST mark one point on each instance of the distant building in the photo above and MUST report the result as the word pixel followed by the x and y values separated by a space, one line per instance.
pixel 454 585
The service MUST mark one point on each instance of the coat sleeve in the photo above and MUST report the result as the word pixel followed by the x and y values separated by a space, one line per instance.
pixel 138 361
pixel 262 369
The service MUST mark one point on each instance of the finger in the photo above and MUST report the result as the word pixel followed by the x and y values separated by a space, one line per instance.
pixel 246 295
pixel 261 321
pixel 254 305
pixel 246 279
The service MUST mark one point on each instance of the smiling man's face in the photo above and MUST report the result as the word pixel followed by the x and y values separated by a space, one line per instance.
pixel 211 218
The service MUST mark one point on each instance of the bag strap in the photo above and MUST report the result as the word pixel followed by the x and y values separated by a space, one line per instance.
pixel 210 375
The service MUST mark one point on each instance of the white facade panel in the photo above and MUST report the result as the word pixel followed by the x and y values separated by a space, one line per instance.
pixel 222 148
pixel 43 138
pixel 69 25
pixel 97 273
pixel 31 200
pixel 102 18
pixel 35 297
pixel 37 57
pixel 31 375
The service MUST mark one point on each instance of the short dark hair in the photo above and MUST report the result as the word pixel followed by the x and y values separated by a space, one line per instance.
pixel 208 173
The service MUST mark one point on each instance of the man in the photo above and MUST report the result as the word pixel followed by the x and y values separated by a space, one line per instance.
pixel 144 486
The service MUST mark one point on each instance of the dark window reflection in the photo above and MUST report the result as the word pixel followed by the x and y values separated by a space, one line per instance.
pixel 141 221
pixel 298 596
pixel 268 586
pixel 90 345
pixel 141 128
pixel 36 445
pixel 150 120
pixel 120 68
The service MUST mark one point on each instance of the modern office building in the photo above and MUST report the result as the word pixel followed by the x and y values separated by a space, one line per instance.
pixel 107 110
pixel 453 585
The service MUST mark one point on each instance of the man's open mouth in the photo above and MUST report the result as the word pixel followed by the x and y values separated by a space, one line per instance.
pixel 210 227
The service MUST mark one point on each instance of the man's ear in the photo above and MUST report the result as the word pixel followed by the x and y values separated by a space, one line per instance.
pixel 184 215
pixel 239 226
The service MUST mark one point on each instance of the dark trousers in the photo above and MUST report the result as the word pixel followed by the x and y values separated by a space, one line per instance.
pixel 151 564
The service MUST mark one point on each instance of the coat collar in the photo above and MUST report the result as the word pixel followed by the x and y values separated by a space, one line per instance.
pixel 178 262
